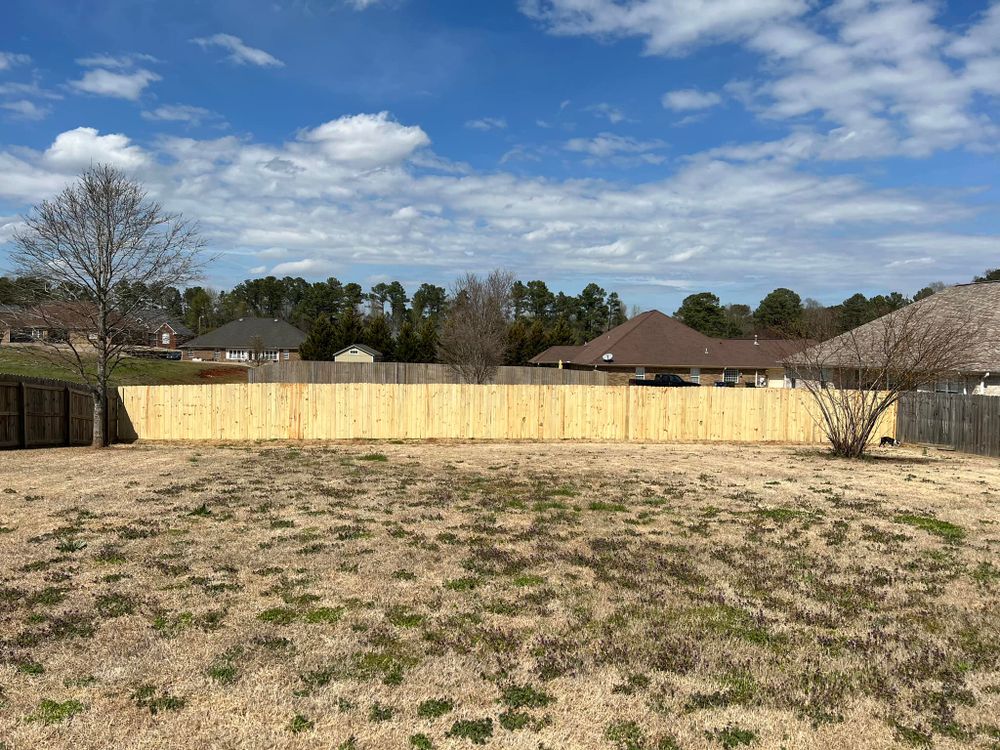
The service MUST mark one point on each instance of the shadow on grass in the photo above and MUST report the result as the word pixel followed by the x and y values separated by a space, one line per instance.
pixel 873 457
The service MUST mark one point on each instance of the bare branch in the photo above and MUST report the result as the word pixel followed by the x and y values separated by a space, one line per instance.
pixel 100 236
pixel 856 377
pixel 474 333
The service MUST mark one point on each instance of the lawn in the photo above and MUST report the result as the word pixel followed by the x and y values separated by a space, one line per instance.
pixel 36 362
pixel 553 596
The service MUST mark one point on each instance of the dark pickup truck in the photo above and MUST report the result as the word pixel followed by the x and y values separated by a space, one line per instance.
pixel 664 380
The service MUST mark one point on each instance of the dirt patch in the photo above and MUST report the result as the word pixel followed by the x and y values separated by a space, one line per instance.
pixel 227 374
pixel 497 595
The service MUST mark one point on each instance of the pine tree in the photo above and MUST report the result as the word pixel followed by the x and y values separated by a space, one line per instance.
pixel 407 343
pixel 321 343
pixel 349 329
pixel 561 333
pixel 378 335
pixel 427 334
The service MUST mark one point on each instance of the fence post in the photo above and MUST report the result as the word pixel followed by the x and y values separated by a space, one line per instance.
pixel 22 414
pixel 68 415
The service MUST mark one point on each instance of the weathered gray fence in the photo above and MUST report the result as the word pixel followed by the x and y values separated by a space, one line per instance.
pixel 970 424
pixel 35 413
pixel 407 373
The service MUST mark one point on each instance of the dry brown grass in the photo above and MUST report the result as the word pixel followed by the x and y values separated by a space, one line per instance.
pixel 572 595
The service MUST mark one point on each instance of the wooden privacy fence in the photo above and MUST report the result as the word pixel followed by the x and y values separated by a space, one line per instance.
pixel 401 373
pixel 970 424
pixel 36 413
pixel 490 412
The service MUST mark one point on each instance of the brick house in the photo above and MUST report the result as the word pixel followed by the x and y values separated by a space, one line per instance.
pixel 247 339
pixel 653 343
pixel 161 331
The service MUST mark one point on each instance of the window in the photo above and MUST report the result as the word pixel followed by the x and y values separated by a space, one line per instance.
pixel 165 338
pixel 695 374
pixel 236 355
pixel 731 375
pixel 949 386
pixel 355 351
pixel 286 354
pixel 640 372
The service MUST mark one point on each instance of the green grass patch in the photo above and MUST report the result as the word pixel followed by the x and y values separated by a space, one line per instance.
pixel 949 532
pixel 54 712
pixel 434 708
pixel 477 731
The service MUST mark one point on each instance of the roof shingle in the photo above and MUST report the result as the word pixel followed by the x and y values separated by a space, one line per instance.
pixel 653 339
pixel 242 333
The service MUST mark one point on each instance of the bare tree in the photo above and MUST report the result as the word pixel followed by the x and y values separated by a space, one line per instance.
pixel 474 332
pixel 100 237
pixel 257 354
pixel 856 377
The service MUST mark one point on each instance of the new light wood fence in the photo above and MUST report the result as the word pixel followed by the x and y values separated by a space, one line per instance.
pixel 405 373
pixel 488 412
pixel 970 424
pixel 36 413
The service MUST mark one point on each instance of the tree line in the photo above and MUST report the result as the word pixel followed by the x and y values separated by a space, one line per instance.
pixel 784 314
pixel 385 317
pixel 407 328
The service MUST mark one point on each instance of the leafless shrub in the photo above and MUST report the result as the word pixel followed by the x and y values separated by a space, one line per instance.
pixel 85 250
pixel 856 377
pixel 474 333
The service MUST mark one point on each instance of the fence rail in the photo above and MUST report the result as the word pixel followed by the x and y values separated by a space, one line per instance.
pixel 35 413
pixel 279 411
pixel 407 373
pixel 970 424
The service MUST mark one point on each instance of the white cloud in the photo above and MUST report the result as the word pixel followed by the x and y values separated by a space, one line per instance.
pixel 683 100
pixel 239 52
pixel 257 270
pixel 16 88
pixel 12 59
pixel 487 123
pixel 306 266
pixel 609 112
pixel 323 213
pixel 869 78
pixel 181 113
pixel 79 148
pixel 101 82
pixel 406 213
pixel 114 61
pixel 608 145
pixel 363 4
pixel 366 141
pixel 668 26
pixel 25 110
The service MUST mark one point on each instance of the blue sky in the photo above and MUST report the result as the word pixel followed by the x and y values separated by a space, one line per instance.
pixel 658 147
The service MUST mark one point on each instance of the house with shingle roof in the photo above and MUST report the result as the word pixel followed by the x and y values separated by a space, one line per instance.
pixel 161 330
pixel 976 304
pixel 653 343
pixel 246 340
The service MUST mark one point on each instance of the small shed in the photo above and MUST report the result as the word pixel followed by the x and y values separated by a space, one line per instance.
pixel 357 353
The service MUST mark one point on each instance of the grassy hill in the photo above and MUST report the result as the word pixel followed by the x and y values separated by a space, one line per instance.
pixel 31 361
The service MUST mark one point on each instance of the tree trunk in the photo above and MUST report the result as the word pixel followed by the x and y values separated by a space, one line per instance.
pixel 101 391
pixel 100 439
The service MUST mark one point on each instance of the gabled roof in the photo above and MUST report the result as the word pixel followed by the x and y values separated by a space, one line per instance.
pixel 653 339
pixel 976 305
pixel 360 347
pixel 557 354
pixel 156 319
pixel 244 333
